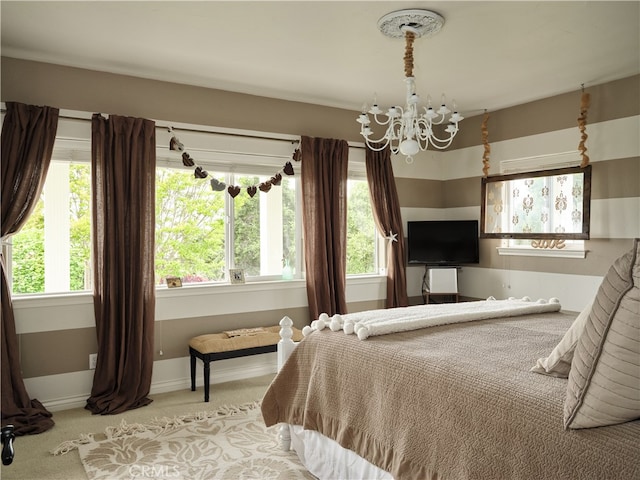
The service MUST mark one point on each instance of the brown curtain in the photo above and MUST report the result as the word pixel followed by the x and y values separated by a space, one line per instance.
pixel 28 134
pixel 123 161
pixel 386 212
pixel 324 216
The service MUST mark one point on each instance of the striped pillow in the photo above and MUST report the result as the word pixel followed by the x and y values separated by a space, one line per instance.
pixel 604 380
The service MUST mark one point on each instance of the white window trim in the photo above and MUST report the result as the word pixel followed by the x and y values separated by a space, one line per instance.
pixel 539 252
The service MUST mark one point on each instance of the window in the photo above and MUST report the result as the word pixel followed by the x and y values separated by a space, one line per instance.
pixel 362 237
pixel 52 251
pixel 201 232
pixel 542 212
pixel 260 230
pixel 190 228
pixel 549 204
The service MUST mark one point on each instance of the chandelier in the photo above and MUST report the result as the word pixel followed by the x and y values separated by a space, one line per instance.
pixel 409 129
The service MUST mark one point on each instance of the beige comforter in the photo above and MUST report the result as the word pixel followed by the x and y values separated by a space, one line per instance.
pixel 449 402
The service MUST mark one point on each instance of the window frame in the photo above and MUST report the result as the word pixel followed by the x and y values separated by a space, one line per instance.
pixel 243 153
pixel 527 167
pixel 586 204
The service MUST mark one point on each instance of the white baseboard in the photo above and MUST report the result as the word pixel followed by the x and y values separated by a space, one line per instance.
pixel 71 390
pixel 166 373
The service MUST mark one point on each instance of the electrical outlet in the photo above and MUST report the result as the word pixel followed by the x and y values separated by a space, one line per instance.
pixel 93 360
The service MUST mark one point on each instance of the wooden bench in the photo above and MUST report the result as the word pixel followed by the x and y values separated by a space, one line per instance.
pixel 233 344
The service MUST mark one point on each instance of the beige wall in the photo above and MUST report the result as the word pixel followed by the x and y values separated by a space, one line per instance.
pixel 77 89
pixel 62 350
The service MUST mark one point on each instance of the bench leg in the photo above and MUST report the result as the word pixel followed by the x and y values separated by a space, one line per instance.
pixel 193 372
pixel 206 380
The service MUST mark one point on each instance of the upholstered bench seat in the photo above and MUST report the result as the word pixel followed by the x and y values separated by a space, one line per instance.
pixel 232 344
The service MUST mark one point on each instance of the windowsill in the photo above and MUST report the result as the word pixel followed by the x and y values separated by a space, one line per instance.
pixel 52 299
pixel 44 300
pixel 195 289
pixel 56 311
pixel 540 252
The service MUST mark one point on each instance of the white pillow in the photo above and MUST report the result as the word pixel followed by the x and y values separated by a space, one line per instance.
pixel 558 363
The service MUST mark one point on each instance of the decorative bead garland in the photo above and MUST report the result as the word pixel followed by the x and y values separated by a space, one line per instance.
pixel 582 125
pixel 233 190
pixel 408 54
pixel 487 148
pixel 585 101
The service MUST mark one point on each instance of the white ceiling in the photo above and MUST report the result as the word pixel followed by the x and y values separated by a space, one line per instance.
pixel 488 55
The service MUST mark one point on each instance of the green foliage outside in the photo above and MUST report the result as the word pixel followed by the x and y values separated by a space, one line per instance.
pixel 80 227
pixel 28 254
pixel 360 230
pixel 190 223
pixel 246 234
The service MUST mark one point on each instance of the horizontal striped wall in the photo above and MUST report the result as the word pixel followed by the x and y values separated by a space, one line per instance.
pixel 447 186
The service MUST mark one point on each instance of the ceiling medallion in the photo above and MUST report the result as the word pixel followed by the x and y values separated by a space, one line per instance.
pixel 424 23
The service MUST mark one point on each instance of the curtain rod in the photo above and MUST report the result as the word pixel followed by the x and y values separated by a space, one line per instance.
pixel 86 116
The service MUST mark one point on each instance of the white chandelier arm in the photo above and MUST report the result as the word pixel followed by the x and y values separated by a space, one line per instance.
pixel 431 115
pixel 435 142
pixel 386 122
pixel 377 145
pixel 372 146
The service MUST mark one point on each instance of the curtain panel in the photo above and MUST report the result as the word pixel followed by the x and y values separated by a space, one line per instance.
pixel 324 216
pixel 123 162
pixel 386 212
pixel 28 135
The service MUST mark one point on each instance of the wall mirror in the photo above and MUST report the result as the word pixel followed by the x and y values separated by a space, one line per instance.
pixel 548 204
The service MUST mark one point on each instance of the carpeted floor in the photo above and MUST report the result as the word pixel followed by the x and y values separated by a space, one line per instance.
pixel 33 460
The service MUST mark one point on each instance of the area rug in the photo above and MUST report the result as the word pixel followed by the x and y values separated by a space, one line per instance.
pixel 230 443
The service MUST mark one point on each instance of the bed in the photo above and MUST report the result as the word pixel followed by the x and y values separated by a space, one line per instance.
pixel 459 400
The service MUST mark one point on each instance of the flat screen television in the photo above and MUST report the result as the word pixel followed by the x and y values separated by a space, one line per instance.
pixel 444 243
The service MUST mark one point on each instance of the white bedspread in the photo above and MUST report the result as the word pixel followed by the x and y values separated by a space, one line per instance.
pixel 381 322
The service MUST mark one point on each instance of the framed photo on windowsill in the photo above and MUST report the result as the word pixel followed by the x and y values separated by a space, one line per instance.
pixel 236 275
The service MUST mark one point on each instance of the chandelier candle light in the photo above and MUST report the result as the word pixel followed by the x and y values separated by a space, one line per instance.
pixel 408 130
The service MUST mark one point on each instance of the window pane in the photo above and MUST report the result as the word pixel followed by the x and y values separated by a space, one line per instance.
pixel 264 228
pixel 246 228
pixel 190 227
pixel 361 231
pixel 52 251
pixel 541 205
pixel 80 227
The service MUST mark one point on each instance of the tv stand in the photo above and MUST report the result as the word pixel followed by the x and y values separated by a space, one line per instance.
pixel 440 283
pixel 427 297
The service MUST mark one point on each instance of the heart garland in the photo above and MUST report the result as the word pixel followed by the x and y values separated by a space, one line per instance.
pixel 233 190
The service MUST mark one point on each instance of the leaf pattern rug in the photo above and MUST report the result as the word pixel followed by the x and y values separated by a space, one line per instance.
pixel 231 443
